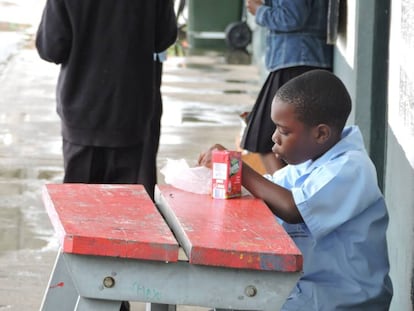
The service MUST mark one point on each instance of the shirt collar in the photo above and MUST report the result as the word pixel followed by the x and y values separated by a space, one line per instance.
pixel 351 139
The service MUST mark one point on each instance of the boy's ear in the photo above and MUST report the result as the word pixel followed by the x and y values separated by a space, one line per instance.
pixel 323 133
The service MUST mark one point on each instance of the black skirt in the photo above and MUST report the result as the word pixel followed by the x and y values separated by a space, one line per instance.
pixel 258 133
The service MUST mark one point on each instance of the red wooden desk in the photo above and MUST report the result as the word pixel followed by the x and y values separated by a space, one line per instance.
pixel 116 246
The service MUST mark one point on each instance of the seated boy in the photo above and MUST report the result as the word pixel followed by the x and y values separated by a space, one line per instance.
pixel 327 198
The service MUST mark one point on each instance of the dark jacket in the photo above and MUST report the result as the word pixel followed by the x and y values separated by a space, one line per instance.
pixel 105 47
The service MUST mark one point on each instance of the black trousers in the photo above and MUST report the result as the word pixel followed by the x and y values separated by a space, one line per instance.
pixel 104 165
pixel 148 171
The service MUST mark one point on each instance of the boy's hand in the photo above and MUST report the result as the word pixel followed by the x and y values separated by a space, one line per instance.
pixel 252 5
pixel 204 159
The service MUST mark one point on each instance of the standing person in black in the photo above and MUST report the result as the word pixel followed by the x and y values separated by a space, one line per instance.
pixel 106 90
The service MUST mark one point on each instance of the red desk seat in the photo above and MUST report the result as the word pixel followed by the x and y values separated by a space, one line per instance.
pixel 237 233
pixel 109 220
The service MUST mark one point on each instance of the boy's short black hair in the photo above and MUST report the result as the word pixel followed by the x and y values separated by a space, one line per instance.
pixel 319 97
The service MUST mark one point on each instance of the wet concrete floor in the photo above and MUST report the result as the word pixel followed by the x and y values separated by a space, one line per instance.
pixel 203 97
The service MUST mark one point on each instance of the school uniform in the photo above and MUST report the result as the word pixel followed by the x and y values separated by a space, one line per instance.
pixel 343 236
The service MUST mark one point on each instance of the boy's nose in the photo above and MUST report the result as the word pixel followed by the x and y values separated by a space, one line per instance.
pixel 276 137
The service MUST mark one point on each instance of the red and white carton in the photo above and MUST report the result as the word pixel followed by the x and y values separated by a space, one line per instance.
pixel 227 174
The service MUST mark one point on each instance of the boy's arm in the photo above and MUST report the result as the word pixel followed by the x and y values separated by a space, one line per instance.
pixel 285 15
pixel 279 199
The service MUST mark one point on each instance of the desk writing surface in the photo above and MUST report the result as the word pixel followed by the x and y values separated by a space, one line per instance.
pixel 238 232
pixel 109 220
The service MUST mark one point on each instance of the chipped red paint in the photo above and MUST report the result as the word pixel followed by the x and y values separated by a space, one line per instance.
pixel 240 232
pixel 109 220
pixel 60 284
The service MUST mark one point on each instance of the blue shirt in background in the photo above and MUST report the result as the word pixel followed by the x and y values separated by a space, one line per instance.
pixel 343 237
pixel 296 33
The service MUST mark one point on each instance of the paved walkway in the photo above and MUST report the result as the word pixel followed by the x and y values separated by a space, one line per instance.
pixel 203 96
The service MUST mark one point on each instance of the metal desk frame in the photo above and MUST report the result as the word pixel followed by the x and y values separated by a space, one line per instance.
pixel 88 282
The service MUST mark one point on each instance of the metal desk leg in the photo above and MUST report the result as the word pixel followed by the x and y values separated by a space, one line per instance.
pixel 87 304
pixel 61 293
pixel 159 307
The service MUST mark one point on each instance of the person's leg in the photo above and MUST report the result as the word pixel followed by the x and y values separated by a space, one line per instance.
pixel 77 161
pixel 85 164
pixel 122 164
pixel 99 165
pixel 148 170
pixel 125 306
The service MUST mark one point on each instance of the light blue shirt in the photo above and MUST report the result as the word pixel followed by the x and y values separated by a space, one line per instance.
pixel 161 57
pixel 343 237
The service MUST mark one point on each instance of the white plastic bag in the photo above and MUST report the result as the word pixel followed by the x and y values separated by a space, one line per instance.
pixel 193 179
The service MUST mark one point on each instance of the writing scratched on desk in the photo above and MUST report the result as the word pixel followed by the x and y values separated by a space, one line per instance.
pixel 148 293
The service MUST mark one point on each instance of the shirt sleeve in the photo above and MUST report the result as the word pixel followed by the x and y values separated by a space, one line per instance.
pixel 54 34
pixel 287 176
pixel 336 192
pixel 285 15
pixel 166 30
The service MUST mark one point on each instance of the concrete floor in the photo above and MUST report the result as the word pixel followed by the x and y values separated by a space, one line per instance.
pixel 203 97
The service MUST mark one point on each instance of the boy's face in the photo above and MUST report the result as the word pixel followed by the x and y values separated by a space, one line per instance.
pixel 294 141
